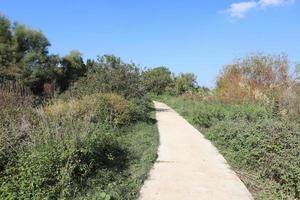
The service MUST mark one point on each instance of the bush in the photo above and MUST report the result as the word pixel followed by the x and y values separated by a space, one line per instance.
pixel 157 80
pixel 109 74
pixel 107 108
pixel 184 83
pixel 87 148
pixel 269 147
pixel 67 157
pixel 83 108
pixel 115 110
pixel 17 117
pixel 260 78
pixel 60 166
pixel 206 114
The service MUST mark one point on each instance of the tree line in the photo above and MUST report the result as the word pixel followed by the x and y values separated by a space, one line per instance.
pixel 25 58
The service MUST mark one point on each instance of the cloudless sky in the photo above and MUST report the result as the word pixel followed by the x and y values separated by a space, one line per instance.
pixel 186 36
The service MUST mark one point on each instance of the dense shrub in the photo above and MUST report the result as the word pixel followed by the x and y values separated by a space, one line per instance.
pixel 83 108
pixel 157 80
pixel 107 108
pixel 259 78
pixel 161 81
pixel 73 67
pixel 204 114
pixel 109 74
pixel 95 141
pixel 269 147
pixel 59 161
pixel 183 83
pixel 91 147
pixel 115 110
pixel 70 152
pixel 17 117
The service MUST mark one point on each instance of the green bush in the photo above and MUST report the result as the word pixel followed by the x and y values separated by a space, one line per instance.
pixel 115 110
pixel 69 149
pixel 109 74
pixel 269 147
pixel 14 133
pixel 59 166
pixel 206 114
pixel 106 108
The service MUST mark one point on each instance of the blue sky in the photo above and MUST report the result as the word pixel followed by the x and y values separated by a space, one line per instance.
pixel 187 36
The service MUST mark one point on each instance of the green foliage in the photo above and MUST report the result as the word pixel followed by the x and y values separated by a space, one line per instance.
pixel 31 54
pixel 268 147
pixel 157 80
pixel 75 157
pixel 28 40
pixel 58 166
pixel 73 67
pixel 24 57
pixel 6 51
pixel 183 83
pixel 5 32
pixel 205 115
pixel 70 150
pixel 109 74
pixel 108 108
pixel 115 110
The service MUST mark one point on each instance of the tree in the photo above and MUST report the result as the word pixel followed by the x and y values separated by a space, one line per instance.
pixel 31 54
pixel 29 40
pixel 110 74
pixel 7 67
pixel 184 83
pixel 73 67
pixel 120 77
pixel 5 31
pixel 157 80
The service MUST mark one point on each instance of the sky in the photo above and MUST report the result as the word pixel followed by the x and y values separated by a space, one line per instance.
pixel 186 36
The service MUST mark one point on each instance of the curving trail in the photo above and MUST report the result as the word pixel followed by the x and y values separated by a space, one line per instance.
pixel 188 166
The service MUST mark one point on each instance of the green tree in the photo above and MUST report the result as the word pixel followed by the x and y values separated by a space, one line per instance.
pixel 7 67
pixel 32 58
pixel 157 80
pixel 73 67
pixel 184 83
pixel 110 74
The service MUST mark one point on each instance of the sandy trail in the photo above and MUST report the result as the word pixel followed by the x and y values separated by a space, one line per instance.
pixel 189 167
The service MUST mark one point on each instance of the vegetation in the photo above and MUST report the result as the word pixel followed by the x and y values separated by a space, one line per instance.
pixel 71 129
pixel 100 145
pixel 252 118
pixel 24 57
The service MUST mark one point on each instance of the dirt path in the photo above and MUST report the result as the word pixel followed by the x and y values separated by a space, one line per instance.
pixel 189 167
